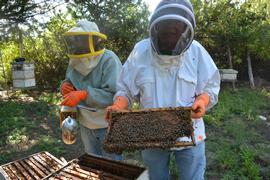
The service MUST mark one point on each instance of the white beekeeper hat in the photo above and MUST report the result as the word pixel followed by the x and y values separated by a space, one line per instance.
pixel 84 40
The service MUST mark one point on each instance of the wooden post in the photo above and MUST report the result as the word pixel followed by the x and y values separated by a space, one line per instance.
pixel 250 73
pixel 230 57
pixel 4 72
pixel 20 40
pixel 229 52
pixel 3 67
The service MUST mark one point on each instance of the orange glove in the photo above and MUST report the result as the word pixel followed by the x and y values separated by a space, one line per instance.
pixel 199 106
pixel 66 88
pixel 73 98
pixel 120 103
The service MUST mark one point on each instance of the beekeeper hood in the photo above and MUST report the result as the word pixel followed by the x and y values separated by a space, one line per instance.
pixel 85 46
pixel 173 11
pixel 84 40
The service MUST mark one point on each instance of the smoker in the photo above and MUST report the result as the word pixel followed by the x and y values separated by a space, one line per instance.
pixel 69 124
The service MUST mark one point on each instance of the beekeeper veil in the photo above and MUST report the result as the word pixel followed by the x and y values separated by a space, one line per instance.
pixel 84 40
pixel 85 45
pixel 179 11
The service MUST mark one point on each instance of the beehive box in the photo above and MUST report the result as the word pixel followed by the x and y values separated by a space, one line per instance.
pixel 23 75
pixel 24 83
pixel 36 166
pixel 43 165
pixel 98 168
pixel 228 74
pixel 149 128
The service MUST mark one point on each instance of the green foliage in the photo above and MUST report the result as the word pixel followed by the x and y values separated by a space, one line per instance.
pixel 236 25
pixel 227 158
pixel 44 44
pixel 50 98
pixel 45 50
pixel 237 162
pixel 236 143
pixel 17 136
pixel 26 126
pixel 221 24
pixel 124 22
pixel 249 168
pixel 261 5
pixel 244 102
pixel 234 151
pixel 9 51
pixel 250 25
pixel 49 53
pixel 49 143
pixel 236 148
pixel 19 13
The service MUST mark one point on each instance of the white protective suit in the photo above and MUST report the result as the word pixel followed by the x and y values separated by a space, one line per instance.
pixel 158 82
pixel 97 75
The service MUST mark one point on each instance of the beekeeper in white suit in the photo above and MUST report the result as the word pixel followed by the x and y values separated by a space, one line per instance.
pixel 171 69
pixel 90 81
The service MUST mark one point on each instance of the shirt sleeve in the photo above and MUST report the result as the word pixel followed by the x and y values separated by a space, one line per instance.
pixel 65 80
pixel 126 85
pixel 208 77
pixel 103 96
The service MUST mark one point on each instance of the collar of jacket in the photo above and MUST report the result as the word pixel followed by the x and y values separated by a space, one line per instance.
pixel 166 61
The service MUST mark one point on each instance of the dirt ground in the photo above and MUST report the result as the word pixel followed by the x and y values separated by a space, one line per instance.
pixel 48 125
pixel 46 120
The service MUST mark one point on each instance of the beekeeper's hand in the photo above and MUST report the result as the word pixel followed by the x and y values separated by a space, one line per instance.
pixel 120 103
pixel 73 98
pixel 199 106
pixel 66 88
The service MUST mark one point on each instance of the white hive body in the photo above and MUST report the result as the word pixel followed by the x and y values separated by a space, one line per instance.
pixel 228 74
pixel 23 75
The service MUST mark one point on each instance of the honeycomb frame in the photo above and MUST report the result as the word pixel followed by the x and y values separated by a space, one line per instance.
pixel 138 129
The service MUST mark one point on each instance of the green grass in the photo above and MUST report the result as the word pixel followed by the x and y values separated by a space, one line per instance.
pixel 244 102
pixel 237 146
pixel 27 126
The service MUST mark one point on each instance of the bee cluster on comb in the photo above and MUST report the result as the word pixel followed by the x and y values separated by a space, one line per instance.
pixel 149 128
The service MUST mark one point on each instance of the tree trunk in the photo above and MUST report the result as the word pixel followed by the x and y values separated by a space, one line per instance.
pixel 230 57
pixel 229 54
pixel 20 41
pixel 3 67
pixel 250 73
pixel 4 72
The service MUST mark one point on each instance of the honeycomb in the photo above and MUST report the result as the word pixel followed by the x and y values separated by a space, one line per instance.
pixel 148 128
